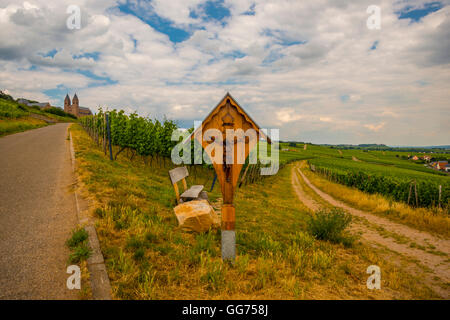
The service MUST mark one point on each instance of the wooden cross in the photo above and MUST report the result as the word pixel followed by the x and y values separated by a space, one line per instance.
pixel 226 116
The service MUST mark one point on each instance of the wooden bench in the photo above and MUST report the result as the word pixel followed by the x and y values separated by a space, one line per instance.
pixel 193 193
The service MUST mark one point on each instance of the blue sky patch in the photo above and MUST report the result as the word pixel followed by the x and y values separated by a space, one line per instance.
pixel 215 10
pixel 281 38
pixel 135 42
pixel 193 14
pixel 100 81
pixel 415 14
pixel 250 11
pixel 51 53
pixel 158 23
pixel 273 56
pixel 236 54
pixel 345 97
pixel 31 68
pixel 374 45
pixel 92 55
pixel 57 93
pixel 287 42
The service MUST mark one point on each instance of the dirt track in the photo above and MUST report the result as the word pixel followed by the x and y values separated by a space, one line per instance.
pixel 369 226
pixel 37 214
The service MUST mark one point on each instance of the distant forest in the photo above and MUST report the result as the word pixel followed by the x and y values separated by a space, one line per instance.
pixel 379 147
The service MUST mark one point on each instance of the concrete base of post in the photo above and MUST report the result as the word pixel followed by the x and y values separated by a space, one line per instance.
pixel 229 245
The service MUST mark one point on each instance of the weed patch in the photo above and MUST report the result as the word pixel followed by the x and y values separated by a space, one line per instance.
pixel 78 244
pixel 331 225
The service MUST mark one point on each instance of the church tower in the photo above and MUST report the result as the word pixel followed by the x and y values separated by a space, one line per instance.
pixel 67 107
pixel 76 105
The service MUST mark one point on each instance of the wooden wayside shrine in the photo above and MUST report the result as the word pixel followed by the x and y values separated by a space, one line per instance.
pixel 228 114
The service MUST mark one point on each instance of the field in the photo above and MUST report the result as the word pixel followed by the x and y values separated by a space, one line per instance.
pixel 379 172
pixel 148 257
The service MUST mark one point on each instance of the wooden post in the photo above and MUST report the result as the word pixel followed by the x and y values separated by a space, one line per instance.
pixel 104 133
pixel 440 193
pixel 228 115
pixel 214 182
pixel 415 192
pixel 108 128
pixel 244 175
pixel 97 131
pixel 95 128
pixel 410 190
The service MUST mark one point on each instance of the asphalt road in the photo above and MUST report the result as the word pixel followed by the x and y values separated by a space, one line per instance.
pixel 37 214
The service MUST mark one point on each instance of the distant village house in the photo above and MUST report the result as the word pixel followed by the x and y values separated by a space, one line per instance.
pixel 74 107
pixel 441 165
pixel 43 105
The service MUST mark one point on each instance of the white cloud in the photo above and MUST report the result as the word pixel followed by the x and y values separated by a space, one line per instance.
pixel 177 11
pixel 287 115
pixel 289 63
pixel 375 127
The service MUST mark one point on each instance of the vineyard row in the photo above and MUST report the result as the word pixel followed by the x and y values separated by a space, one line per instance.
pixel 421 193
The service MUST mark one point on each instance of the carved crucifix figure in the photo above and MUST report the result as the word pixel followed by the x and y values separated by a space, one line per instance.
pixel 227 123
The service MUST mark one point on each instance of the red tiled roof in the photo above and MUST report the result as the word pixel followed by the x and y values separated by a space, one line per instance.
pixel 442 164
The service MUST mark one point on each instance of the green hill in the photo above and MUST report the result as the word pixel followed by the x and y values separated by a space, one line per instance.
pixel 15 117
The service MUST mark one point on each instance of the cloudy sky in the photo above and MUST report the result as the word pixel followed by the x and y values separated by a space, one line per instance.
pixel 313 69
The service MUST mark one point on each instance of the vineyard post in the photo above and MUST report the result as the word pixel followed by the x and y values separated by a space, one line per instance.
pixel 104 133
pixel 254 173
pixel 244 175
pixel 415 192
pixel 410 190
pixel 250 175
pixel 440 193
pixel 95 128
pixel 108 128
pixel 213 183
pixel 248 179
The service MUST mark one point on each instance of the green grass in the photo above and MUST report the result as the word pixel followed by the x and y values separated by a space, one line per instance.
pixel 148 257
pixel 11 109
pixel 78 237
pixel 78 244
pixel 388 171
pixel 19 125
pixel 79 253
